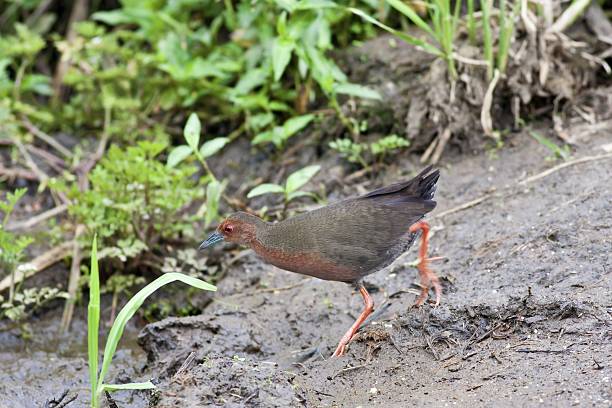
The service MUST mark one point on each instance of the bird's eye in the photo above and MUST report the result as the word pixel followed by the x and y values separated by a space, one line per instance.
pixel 228 228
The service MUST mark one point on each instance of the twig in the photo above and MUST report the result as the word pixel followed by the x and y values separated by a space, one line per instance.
pixel 45 137
pixel 60 402
pixel 73 281
pixel 185 366
pixel 15 173
pixel 85 166
pixel 346 370
pixel 37 218
pixel 52 160
pixel 444 138
pixel 42 177
pixel 38 264
pixel 78 13
pixel 425 157
pixel 564 165
pixel 465 206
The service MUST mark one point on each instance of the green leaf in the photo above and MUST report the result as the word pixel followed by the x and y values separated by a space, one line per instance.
pixel 177 155
pixel 93 318
pixel 266 188
pixel 297 194
pixel 300 177
pixel 406 37
pixel 213 146
pixel 192 131
pixel 281 55
pixel 357 90
pixel 249 81
pixel 132 307
pixel 213 195
pixel 294 125
pixel 113 17
pixel 412 15
pixel 263 137
pixel 130 386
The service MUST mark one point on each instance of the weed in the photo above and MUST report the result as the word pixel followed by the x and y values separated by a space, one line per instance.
pixel 12 247
pixel 127 203
pixel 98 386
pixel 558 152
pixel 291 189
pixel 365 154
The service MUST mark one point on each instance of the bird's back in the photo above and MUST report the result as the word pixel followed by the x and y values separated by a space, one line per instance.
pixel 352 238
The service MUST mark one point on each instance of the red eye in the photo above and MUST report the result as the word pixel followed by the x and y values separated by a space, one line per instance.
pixel 228 228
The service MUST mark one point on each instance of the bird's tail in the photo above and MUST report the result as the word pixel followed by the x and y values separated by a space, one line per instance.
pixel 423 187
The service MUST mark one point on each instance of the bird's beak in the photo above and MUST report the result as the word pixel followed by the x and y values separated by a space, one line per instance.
pixel 212 240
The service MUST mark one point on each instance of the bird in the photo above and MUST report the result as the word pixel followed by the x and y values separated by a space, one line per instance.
pixel 347 240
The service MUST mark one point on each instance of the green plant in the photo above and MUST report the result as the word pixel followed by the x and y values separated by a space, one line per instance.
pixel 135 201
pixel 290 190
pixel 98 386
pixel 117 285
pixel 388 144
pixel 279 134
pixel 350 150
pixel 28 301
pixel 12 247
pixel 558 152
pixel 215 188
pixel 358 152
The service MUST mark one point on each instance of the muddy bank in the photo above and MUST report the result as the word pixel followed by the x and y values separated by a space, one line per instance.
pixel 525 318
pixel 43 367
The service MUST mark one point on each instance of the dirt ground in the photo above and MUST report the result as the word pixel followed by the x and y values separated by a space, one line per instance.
pixel 525 318
pixel 526 314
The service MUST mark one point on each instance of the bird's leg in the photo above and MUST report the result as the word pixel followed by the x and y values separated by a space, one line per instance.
pixel 348 336
pixel 428 277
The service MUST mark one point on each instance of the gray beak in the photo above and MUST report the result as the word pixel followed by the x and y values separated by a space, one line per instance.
pixel 214 238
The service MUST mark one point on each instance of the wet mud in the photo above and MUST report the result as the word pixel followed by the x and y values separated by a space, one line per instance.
pixel 525 318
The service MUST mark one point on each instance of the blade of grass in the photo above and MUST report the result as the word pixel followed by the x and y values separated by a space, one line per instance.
pixel 130 309
pixel 148 385
pixel 412 15
pixel 505 35
pixel 93 321
pixel 417 42
pixel 571 14
pixel 487 39
pixel 471 22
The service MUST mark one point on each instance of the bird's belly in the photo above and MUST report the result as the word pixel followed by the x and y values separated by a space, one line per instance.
pixel 308 264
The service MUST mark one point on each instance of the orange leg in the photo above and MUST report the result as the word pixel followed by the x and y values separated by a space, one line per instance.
pixel 348 336
pixel 428 277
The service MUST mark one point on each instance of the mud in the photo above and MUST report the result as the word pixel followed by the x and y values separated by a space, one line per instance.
pixel 41 368
pixel 525 319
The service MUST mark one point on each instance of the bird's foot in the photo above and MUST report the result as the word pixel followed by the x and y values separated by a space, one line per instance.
pixel 350 334
pixel 344 341
pixel 428 277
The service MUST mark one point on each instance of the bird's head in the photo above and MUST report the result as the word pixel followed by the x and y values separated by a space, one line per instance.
pixel 239 228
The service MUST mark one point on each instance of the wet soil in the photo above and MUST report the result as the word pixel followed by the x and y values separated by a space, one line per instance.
pixel 525 320
pixel 43 367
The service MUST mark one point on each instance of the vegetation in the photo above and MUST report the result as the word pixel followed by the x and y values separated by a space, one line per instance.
pixel 96 378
